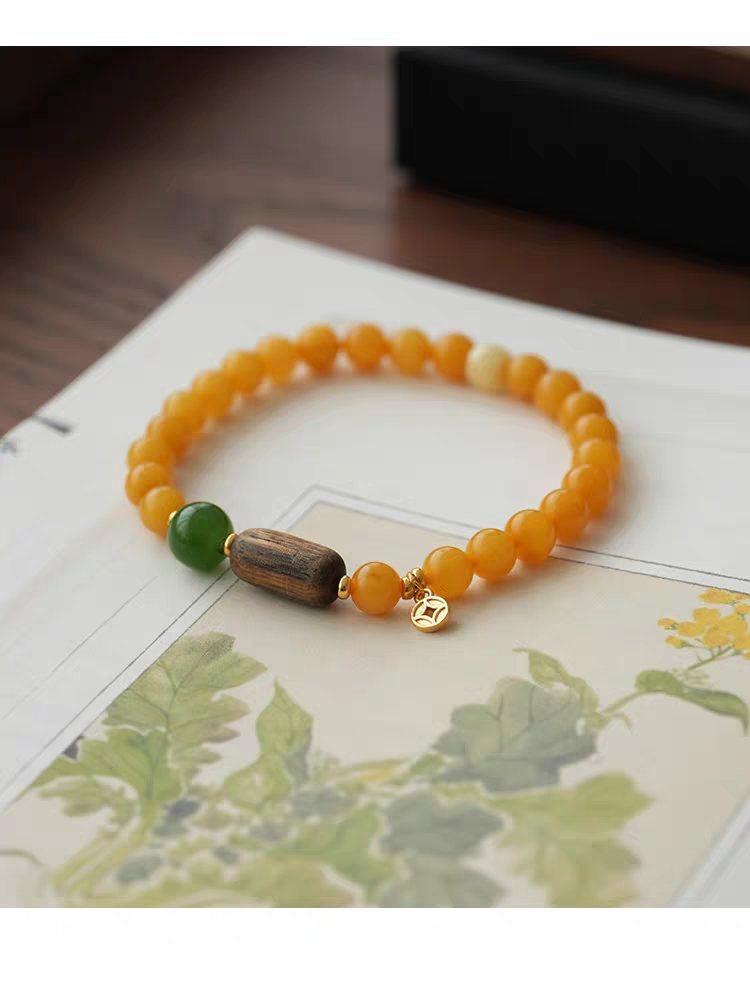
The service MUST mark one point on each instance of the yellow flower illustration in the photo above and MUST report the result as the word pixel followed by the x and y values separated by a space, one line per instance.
pixel 715 637
pixel 706 616
pixel 668 623
pixel 742 609
pixel 676 642
pixel 690 629
pixel 715 596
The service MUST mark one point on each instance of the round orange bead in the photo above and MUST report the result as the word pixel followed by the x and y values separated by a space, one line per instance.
pixel 186 405
pixel 365 345
pixel 593 425
pixel 375 588
pixel 278 356
pixel 524 372
pixel 593 484
pixel 577 404
pixel 150 449
pixel 410 350
pixel 448 571
pixel 551 390
pixel 244 371
pixel 175 430
pixel 214 388
pixel 143 478
pixel 157 505
pixel 595 451
pixel 492 554
pixel 318 346
pixel 568 512
pixel 533 533
pixel 449 355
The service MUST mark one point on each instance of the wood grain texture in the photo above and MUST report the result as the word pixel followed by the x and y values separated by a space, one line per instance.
pixel 130 177
pixel 287 565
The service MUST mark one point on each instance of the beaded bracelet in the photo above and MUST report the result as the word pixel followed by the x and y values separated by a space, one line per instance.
pixel 200 534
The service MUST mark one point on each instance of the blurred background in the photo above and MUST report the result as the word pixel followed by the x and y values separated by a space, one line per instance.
pixel 606 181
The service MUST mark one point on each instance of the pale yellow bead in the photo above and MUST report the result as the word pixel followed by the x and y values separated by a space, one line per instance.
pixel 486 368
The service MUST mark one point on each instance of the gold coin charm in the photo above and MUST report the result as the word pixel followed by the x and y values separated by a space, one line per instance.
pixel 430 613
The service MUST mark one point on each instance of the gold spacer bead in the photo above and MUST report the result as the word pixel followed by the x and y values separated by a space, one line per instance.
pixel 417 574
pixel 228 543
pixel 407 588
pixel 172 516
pixel 345 587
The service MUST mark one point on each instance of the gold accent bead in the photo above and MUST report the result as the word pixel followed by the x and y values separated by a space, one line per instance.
pixel 172 516
pixel 417 574
pixel 228 543
pixel 345 587
pixel 407 588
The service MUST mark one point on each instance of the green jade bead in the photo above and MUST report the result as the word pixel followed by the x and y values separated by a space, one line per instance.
pixel 197 533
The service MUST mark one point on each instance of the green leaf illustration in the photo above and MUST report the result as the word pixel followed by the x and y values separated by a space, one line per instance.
pixel 517 741
pixel 289 883
pixel 284 733
pixel 718 701
pixel 440 883
pixel 565 839
pixel 549 672
pixel 345 845
pixel 419 822
pixel 178 695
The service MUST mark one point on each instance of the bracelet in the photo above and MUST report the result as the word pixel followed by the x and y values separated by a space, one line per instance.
pixel 201 534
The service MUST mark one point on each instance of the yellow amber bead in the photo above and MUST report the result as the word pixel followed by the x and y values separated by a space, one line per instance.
pixel 365 345
pixel 375 588
pixel 214 388
pixel 595 451
pixel 449 355
pixel 486 366
pixel 175 430
pixel 145 477
pixel 524 372
pixel 533 534
pixel 410 350
pixel 492 554
pixel 593 484
pixel 568 512
pixel 593 425
pixel 577 404
pixel 157 505
pixel 150 449
pixel 188 406
pixel 448 571
pixel 551 390
pixel 244 371
pixel 318 346
pixel 278 356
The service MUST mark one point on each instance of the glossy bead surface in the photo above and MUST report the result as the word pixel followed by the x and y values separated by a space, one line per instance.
pixel 410 349
pixel 375 588
pixel 318 346
pixel 189 407
pixel 595 451
pixel 524 372
pixel 365 345
pixel 150 449
pixel 215 391
pixel 278 356
pixel 449 355
pixel 593 484
pixel 157 505
pixel 486 366
pixel 197 533
pixel 492 554
pixel 144 477
pixel 176 431
pixel 568 512
pixel 551 390
pixel 448 571
pixel 533 534
pixel 593 425
pixel 577 404
pixel 244 370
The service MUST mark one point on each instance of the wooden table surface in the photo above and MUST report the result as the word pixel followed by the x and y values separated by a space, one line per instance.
pixel 127 179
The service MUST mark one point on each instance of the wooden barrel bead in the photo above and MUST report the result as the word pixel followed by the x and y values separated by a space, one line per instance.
pixel 286 564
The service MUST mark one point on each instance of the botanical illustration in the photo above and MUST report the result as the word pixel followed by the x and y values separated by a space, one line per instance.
pixel 299 827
